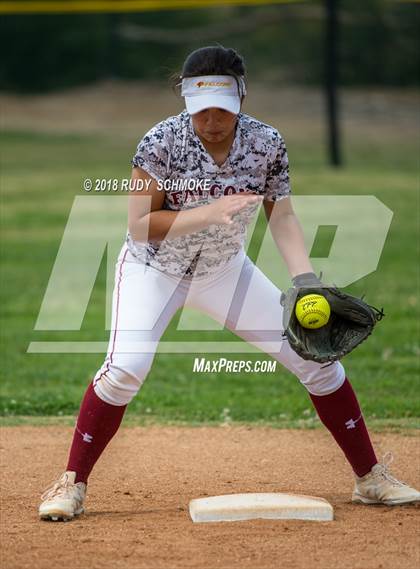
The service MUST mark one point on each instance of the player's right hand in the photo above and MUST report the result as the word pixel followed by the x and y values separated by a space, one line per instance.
pixel 222 210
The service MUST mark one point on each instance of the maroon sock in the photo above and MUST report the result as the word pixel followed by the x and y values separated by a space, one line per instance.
pixel 341 414
pixel 96 424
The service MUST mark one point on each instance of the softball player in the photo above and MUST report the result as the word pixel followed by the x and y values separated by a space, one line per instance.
pixel 207 170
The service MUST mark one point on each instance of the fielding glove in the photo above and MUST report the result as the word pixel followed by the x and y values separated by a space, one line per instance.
pixel 351 321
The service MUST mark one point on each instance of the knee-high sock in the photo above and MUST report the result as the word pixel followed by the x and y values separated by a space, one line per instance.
pixel 96 424
pixel 340 412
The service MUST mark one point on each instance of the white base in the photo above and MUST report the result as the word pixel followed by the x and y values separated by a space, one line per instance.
pixel 274 506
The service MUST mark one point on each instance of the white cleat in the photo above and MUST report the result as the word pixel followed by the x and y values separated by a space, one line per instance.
pixel 379 487
pixel 63 500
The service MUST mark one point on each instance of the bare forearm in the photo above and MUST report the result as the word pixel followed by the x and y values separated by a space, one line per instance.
pixel 288 236
pixel 160 224
pixel 165 224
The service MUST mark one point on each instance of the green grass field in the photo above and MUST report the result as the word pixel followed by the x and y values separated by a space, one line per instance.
pixel 42 173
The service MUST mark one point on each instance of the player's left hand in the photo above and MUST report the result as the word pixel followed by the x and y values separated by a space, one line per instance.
pixel 351 321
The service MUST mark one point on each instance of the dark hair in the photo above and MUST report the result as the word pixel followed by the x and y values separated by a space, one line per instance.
pixel 213 60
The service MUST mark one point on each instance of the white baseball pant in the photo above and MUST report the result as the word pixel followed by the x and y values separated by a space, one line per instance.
pixel 239 296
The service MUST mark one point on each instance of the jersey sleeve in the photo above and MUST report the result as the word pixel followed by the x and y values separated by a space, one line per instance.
pixel 277 183
pixel 154 151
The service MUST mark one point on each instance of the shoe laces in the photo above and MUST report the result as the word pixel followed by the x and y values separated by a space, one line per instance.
pixel 384 473
pixel 59 488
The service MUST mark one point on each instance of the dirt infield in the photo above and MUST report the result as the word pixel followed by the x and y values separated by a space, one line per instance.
pixel 137 506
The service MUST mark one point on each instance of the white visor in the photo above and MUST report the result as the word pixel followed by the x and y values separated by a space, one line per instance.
pixel 220 91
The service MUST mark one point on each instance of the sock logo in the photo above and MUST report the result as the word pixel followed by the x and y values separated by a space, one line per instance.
pixel 351 423
pixel 86 437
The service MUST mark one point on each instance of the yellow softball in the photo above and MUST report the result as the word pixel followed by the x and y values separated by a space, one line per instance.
pixel 312 311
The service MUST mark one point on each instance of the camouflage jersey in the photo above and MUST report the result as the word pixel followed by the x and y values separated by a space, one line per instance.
pixel 172 153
